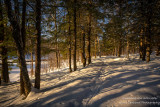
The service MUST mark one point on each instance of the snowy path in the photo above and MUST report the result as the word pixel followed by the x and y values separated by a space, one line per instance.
pixel 107 82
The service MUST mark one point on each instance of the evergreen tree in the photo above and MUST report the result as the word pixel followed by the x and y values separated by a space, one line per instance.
pixel 38 45
pixel 4 57
pixel 14 20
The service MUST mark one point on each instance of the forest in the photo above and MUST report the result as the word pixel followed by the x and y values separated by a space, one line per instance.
pixel 54 44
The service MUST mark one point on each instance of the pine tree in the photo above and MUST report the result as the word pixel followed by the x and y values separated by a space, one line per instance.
pixel 83 47
pixel 75 36
pixel 70 40
pixel 4 72
pixel 14 20
pixel 23 33
pixel 38 45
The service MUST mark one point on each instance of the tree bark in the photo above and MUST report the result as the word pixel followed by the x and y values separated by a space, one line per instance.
pixel 127 47
pixel 23 33
pixel 4 72
pixel 121 33
pixel 158 49
pixel 38 45
pixel 142 45
pixel 99 47
pixel 32 73
pixel 0 80
pixel 56 42
pixel 23 29
pixel 148 31
pixel 59 59
pixel 17 13
pixel 19 44
pixel 119 48
pixel 83 48
pixel 70 41
pixel 89 39
pixel 115 48
pixel 75 36
pixel 95 47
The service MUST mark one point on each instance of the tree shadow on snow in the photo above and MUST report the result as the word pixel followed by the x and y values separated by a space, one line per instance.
pixel 79 95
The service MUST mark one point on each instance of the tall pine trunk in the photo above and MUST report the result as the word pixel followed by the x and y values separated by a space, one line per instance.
pixel 89 39
pixel 141 44
pixel 148 31
pixel 4 72
pixel 16 6
pixel 83 48
pixel 75 36
pixel 18 40
pixel 115 48
pixel 119 48
pixel 99 47
pixel 95 47
pixel 59 59
pixel 56 42
pixel 142 50
pixel 23 33
pixel 158 49
pixel 121 32
pixel 38 45
pixel 127 47
pixel 32 73
pixel 70 41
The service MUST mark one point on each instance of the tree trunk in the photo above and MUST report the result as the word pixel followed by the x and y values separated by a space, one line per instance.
pixel 70 42
pixel 59 59
pixel 23 67
pixel 38 45
pixel 95 47
pixel 158 50
pixel 56 42
pixel 16 6
pixel 23 32
pixel 83 48
pixel 99 47
pixel 119 48
pixel 144 50
pixel 127 47
pixel 75 37
pixel 89 39
pixel 32 73
pixel 148 30
pixel 115 51
pixel 0 80
pixel 23 29
pixel 17 38
pixel 57 63
pixel 142 45
pixel 4 72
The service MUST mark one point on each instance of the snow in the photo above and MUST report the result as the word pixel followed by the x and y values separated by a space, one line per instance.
pixel 108 81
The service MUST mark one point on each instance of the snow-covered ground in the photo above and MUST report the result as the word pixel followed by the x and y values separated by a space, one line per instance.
pixel 107 82
pixel 14 72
